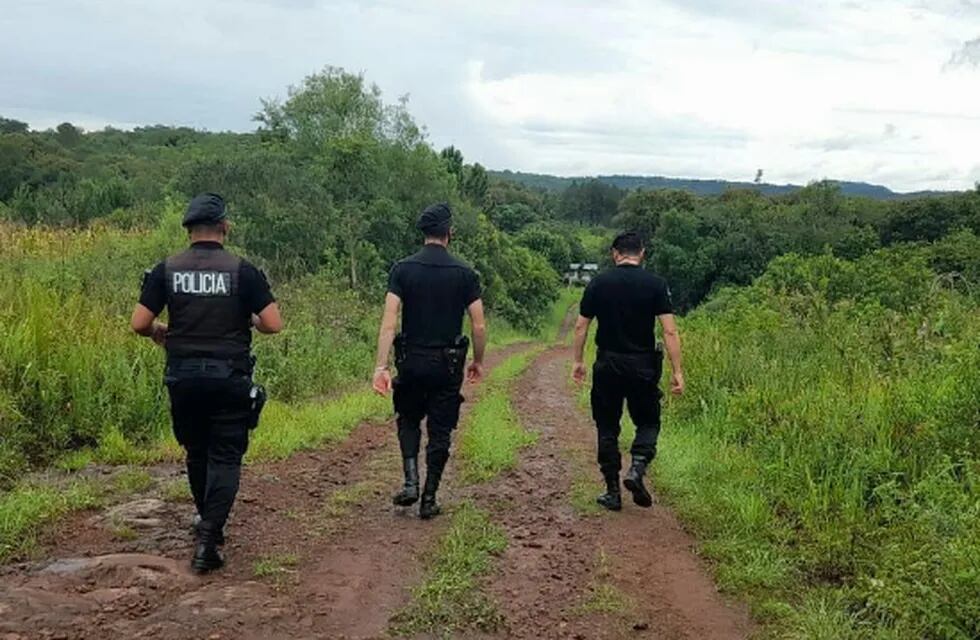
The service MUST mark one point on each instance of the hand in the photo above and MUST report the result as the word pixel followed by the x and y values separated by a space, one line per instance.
pixel 474 372
pixel 158 333
pixel 579 372
pixel 677 383
pixel 382 382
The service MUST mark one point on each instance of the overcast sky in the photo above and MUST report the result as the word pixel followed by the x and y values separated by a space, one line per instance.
pixel 879 91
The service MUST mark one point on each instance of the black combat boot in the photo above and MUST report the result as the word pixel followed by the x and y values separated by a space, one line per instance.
pixel 219 538
pixel 206 555
pixel 612 499
pixel 634 482
pixel 428 508
pixel 409 494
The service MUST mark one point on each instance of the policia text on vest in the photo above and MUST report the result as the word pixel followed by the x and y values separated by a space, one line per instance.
pixel 214 299
pixel 432 290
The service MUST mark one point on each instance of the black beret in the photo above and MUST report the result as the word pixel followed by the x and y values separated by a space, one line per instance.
pixel 436 219
pixel 207 208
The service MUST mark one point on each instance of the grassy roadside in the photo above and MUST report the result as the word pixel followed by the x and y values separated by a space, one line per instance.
pixel 33 504
pixel 448 599
pixel 492 434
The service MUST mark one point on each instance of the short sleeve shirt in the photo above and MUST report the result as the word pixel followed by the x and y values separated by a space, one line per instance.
pixel 435 289
pixel 626 300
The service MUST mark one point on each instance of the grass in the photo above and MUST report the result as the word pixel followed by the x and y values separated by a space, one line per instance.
pixel 603 596
pixel 492 434
pixel 176 491
pixel 285 428
pixel 568 301
pixel 585 489
pixel 827 454
pixel 277 567
pixel 130 481
pixel 26 510
pixel 124 532
pixel 449 599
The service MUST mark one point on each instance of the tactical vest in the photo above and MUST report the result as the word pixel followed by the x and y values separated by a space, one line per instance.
pixel 208 318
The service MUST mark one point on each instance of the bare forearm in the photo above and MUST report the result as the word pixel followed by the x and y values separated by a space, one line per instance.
pixel 578 348
pixel 386 337
pixel 260 326
pixel 672 341
pixel 479 343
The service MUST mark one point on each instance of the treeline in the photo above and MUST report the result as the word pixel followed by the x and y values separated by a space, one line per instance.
pixel 330 183
pixel 333 177
pixel 703 243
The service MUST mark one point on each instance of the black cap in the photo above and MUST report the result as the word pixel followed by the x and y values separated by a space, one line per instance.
pixel 207 208
pixel 436 220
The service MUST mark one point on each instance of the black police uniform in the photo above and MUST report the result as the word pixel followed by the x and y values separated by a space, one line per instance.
pixel 435 289
pixel 626 300
pixel 211 295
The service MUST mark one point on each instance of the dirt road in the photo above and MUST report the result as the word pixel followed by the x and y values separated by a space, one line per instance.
pixel 317 551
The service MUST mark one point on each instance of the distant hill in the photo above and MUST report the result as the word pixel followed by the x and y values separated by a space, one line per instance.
pixel 700 187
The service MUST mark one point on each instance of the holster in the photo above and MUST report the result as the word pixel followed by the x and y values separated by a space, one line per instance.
pixel 456 355
pixel 257 399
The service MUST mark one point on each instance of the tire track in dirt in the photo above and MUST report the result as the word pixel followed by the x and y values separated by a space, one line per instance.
pixel 355 554
pixel 542 581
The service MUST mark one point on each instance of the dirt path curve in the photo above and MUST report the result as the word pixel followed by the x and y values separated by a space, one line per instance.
pixel 335 558
pixel 568 573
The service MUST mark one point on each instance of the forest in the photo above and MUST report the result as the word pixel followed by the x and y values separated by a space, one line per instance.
pixel 827 454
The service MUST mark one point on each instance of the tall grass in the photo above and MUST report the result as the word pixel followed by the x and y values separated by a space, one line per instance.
pixel 828 449
pixel 72 374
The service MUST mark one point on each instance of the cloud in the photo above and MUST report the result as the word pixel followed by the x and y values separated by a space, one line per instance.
pixel 698 88
pixel 966 56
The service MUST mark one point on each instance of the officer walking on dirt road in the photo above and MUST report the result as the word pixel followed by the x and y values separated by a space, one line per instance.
pixel 213 298
pixel 627 300
pixel 433 290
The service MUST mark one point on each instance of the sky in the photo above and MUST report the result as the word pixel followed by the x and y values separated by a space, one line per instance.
pixel 875 91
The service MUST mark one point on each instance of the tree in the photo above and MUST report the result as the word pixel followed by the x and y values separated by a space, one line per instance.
pixel 475 184
pixel 335 104
pixel 8 125
pixel 454 164
pixel 641 210
pixel 593 202
pixel 68 135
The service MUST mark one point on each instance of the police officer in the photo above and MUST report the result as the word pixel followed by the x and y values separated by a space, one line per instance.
pixel 627 300
pixel 214 298
pixel 433 290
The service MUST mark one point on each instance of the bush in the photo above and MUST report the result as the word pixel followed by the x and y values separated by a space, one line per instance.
pixel 828 449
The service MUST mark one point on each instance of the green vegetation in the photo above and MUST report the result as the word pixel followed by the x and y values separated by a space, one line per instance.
pixel 586 484
pixel 277 567
pixel 288 428
pixel 828 449
pixel 130 481
pixel 492 434
pixel 603 596
pixel 176 491
pixel 25 511
pixel 449 598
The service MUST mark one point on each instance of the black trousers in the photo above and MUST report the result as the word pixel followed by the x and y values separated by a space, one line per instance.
pixel 634 378
pixel 427 387
pixel 210 420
